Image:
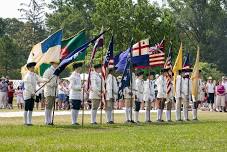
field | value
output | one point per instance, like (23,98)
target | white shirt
(75,86)
(30,81)
(210,87)
(127,90)
(50,87)
(149,91)
(139,89)
(95,87)
(111,87)
(225,85)
(186,88)
(161,87)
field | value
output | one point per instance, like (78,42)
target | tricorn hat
(31,64)
(97,66)
(77,65)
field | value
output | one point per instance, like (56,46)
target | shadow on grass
(121,125)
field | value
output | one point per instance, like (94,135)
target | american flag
(106,63)
(98,44)
(168,65)
(108,58)
(157,55)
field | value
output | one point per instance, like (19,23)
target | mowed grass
(208,134)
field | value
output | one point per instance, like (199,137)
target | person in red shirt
(10,95)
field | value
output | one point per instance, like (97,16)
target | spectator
(3,93)
(61,96)
(210,89)
(10,94)
(220,96)
(19,97)
(224,82)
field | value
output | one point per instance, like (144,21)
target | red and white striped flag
(157,55)
(168,65)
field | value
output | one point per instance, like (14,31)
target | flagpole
(102,95)
(83,102)
(131,81)
(54,100)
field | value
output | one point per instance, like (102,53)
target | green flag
(67,46)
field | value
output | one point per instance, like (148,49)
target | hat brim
(187,70)
(31,64)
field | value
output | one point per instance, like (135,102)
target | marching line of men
(139,91)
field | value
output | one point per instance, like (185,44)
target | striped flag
(168,65)
(108,57)
(98,44)
(157,55)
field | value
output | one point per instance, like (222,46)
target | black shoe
(196,119)
(132,121)
(111,122)
(179,120)
(29,124)
(169,121)
(76,124)
(187,120)
(149,121)
(128,121)
(94,123)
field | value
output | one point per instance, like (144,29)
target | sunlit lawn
(208,134)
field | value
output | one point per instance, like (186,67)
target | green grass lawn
(208,134)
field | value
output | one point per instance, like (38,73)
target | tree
(10,54)
(203,23)
(33,13)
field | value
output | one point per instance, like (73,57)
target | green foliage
(209,69)
(10,54)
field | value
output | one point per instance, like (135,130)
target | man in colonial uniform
(30,81)
(198,98)
(169,92)
(50,91)
(161,83)
(111,95)
(139,95)
(186,92)
(148,95)
(95,94)
(179,95)
(75,92)
(129,96)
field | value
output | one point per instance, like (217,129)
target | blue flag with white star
(125,81)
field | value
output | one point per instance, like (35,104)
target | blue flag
(125,81)
(122,60)
(65,62)
(73,55)
(186,64)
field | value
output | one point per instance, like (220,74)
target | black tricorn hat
(31,64)
(77,65)
(187,70)
(140,73)
(164,70)
(97,66)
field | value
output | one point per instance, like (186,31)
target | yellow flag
(177,66)
(195,77)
